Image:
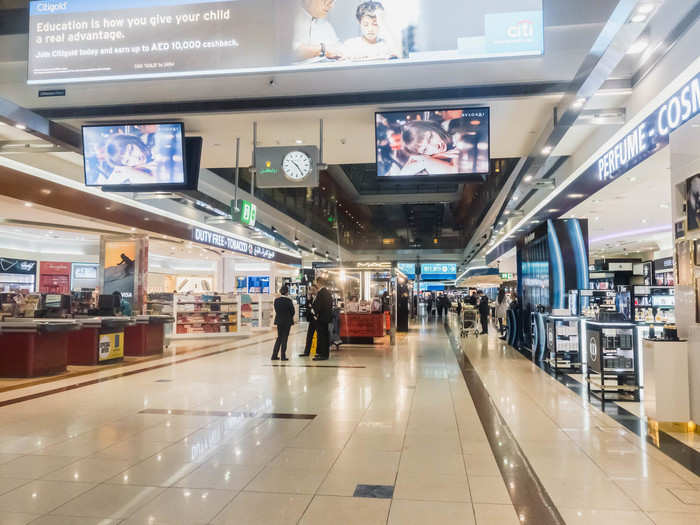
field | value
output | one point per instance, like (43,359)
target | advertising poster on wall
(693,203)
(111,346)
(120,268)
(84,40)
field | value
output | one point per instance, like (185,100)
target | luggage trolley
(470,322)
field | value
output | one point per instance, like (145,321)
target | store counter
(666,382)
(34,347)
(99,340)
(361,328)
(146,336)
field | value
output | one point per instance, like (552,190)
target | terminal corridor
(375,435)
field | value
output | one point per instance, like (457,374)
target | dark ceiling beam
(14,21)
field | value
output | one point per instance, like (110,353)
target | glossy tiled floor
(110,452)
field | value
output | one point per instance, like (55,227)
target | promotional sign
(287,167)
(258,284)
(241,283)
(17,266)
(408,269)
(84,271)
(435,142)
(693,203)
(54,277)
(438,271)
(232,244)
(85,40)
(119,268)
(134,155)
(111,346)
(246,214)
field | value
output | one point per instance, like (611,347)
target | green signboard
(246,214)
(507,276)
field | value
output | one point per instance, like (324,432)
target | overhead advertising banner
(85,40)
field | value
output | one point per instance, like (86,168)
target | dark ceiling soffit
(14,21)
(39,126)
(309,101)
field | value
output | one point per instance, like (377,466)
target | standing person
(430,305)
(323,306)
(484,314)
(502,304)
(473,300)
(311,318)
(122,305)
(284,319)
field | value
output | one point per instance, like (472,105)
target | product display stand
(205,316)
(613,359)
(563,348)
(666,382)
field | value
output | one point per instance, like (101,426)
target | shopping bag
(314,345)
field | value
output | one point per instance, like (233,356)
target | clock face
(296,165)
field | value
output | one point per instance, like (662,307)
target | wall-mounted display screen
(85,40)
(438,271)
(437,142)
(134,156)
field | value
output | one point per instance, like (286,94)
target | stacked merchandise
(268,311)
(618,350)
(160,304)
(206,313)
(250,311)
(654,304)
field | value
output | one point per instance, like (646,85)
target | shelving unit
(654,304)
(613,359)
(563,345)
(205,315)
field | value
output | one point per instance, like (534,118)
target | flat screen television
(142,157)
(446,143)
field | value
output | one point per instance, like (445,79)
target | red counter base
(361,328)
(33,354)
(82,347)
(144,339)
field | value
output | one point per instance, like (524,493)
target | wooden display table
(361,328)
(147,335)
(34,347)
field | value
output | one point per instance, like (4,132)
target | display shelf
(563,343)
(613,359)
(206,315)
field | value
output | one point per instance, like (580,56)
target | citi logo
(51,7)
(522,29)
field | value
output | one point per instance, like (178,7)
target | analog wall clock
(296,165)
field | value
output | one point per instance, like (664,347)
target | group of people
(319,315)
(442,304)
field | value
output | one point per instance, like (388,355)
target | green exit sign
(246,214)
(507,276)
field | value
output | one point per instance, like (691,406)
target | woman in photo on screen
(429,148)
(131,160)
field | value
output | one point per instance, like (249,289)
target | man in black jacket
(284,319)
(323,308)
(311,318)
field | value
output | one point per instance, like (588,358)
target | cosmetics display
(654,304)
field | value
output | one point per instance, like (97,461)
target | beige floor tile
(481,465)
(367,460)
(439,463)
(405,512)
(214,475)
(495,514)
(154,472)
(652,497)
(40,497)
(89,470)
(16,518)
(8,484)
(674,518)
(108,501)
(132,449)
(489,489)
(335,509)
(182,505)
(305,459)
(73,520)
(431,487)
(689,496)
(33,467)
(286,481)
(591,492)
(604,517)
(256,508)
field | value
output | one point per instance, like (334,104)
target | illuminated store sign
(232,244)
(438,271)
(651,134)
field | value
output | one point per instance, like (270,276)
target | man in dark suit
(284,319)
(323,308)
(311,318)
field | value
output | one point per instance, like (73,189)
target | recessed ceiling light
(579,103)
(597,218)
(28,204)
(664,206)
(46,191)
(515,197)
(299,141)
(552,210)
(133,229)
(638,19)
(644,221)
(639,46)
(507,212)
(633,179)
(546,150)
(20,126)
(146,219)
(645,9)
(576,195)
(528,178)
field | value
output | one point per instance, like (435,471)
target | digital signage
(134,156)
(88,40)
(438,271)
(435,142)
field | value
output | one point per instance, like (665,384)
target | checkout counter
(41,346)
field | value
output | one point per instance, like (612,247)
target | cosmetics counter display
(654,304)
(612,358)
(563,343)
